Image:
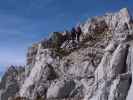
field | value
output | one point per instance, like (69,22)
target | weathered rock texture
(99,67)
(11,82)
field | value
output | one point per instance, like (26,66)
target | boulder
(61,89)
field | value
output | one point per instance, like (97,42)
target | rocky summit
(98,67)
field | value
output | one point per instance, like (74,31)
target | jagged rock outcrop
(11,82)
(119,24)
(99,67)
(112,78)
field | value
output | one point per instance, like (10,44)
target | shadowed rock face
(11,82)
(97,68)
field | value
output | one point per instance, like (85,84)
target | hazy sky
(22,22)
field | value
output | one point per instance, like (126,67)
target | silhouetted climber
(78,33)
(67,34)
(73,34)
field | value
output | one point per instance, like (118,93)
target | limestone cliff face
(11,82)
(99,67)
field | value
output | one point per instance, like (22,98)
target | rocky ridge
(97,68)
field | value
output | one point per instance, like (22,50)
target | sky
(23,22)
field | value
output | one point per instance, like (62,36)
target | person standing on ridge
(73,34)
(67,33)
(78,33)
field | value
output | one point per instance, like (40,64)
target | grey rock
(11,82)
(61,89)
(119,88)
(107,72)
